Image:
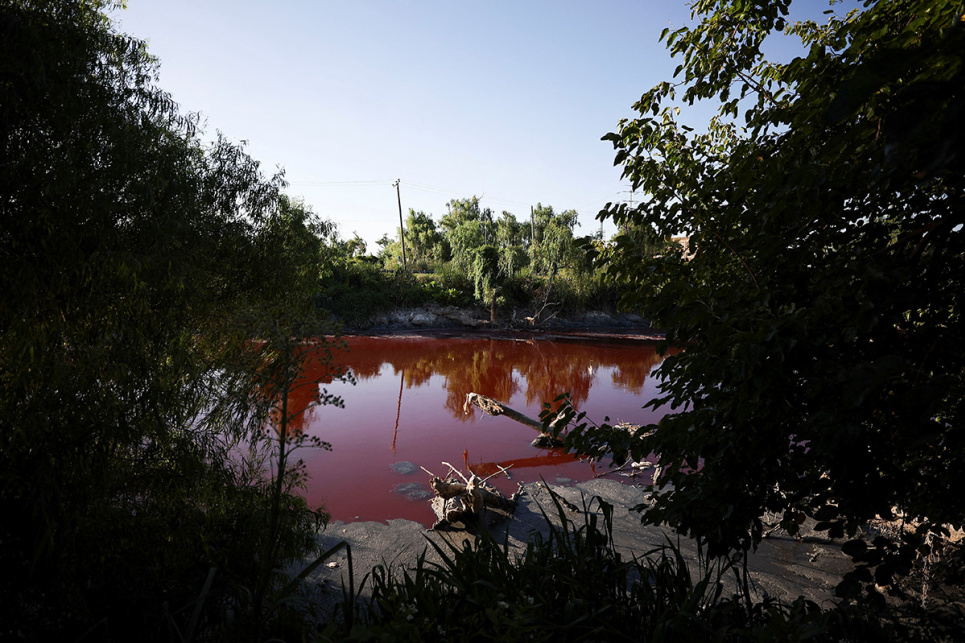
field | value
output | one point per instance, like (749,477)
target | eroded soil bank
(435,317)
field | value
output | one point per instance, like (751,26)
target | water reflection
(495,367)
(408,405)
(319,368)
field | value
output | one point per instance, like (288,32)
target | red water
(407,407)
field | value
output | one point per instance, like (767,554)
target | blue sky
(505,100)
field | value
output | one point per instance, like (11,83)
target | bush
(355,291)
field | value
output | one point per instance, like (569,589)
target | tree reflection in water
(408,406)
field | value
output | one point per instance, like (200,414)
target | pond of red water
(406,412)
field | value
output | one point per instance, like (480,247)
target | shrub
(355,291)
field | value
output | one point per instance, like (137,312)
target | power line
(607,199)
(442,191)
(328,184)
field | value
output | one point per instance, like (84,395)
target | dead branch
(445,489)
(452,469)
(633,429)
(492,407)
(465,501)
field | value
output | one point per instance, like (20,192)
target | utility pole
(626,224)
(401,225)
(532,226)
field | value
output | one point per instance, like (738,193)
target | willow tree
(552,245)
(824,366)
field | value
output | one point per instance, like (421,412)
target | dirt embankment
(435,317)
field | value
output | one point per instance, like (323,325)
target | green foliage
(292,246)
(450,287)
(509,231)
(440,294)
(282,527)
(476,259)
(823,373)
(517,291)
(426,245)
(357,290)
(485,273)
(510,240)
(466,228)
(128,252)
(553,246)
(355,247)
(574,293)
(464,240)
(488,252)
(512,260)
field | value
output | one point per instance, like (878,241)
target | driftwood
(492,407)
(464,502)
(632,429)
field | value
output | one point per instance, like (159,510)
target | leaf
(853,94)
(819,315)
(826,512)
(848,588)
(854,548)
(884,575)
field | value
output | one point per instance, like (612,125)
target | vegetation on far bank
(537,268)
(158,289)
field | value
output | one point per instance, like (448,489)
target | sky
(506,100)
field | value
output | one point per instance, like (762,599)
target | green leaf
(854,548)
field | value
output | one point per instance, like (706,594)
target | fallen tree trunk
(492,407)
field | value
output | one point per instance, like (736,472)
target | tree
(129,251)
(425,242)
(553,245)
(355,247)
(641,240)
(509,244)
(824,366)
(293,243)
(467,227)
(486,277)
(509,232)
(387,252)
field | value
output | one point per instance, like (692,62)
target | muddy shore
(451,318)
(782,567)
